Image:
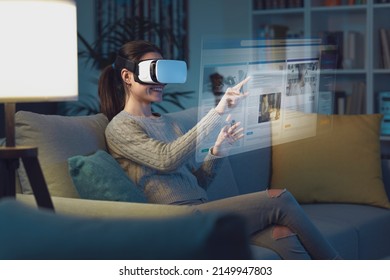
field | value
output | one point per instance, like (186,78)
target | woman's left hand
(228,135)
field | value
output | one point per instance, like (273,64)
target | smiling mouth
(159,88)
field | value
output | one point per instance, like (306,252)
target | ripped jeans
(276,221)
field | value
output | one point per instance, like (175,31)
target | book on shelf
(339,102)
(336,39)
(325,105)
(354,49)
(384,38)
(328,59)
(384,109)
(353,103)
(350,47)
(356,101)
(383,102)
(332,2)
(272,31)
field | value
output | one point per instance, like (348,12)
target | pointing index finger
(240,84)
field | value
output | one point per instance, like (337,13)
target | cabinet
(363,68)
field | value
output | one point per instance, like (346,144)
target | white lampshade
(38,50)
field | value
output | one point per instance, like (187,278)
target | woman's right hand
(231,97)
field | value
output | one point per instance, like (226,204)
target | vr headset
(155,71)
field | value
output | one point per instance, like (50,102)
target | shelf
(385,137)
(345,71)
(278,11)
(340,9)
(381,6)
(381,71)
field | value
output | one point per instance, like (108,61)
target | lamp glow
(38,51)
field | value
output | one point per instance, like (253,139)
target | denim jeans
(266,211)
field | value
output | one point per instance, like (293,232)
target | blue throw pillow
(100,177)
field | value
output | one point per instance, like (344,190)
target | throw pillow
(99,176)
(341,164)
(58,138)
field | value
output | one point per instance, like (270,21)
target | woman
(158,155)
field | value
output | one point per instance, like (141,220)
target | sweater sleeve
(207,171)
(127,138)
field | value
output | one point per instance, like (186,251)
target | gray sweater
(159,156)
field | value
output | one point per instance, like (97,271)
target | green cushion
(341,164)
(28,233)
(99,176)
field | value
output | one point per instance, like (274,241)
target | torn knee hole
(281,232)
(275,192)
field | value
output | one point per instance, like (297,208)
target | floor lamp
(38,63)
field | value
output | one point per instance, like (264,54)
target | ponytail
(111,93)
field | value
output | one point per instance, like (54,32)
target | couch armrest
(109,209)
(386,175)
(43,235)
(385,153)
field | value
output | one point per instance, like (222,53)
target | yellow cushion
(341,164)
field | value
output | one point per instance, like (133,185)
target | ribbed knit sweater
(159,156)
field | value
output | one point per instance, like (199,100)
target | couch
(358,225)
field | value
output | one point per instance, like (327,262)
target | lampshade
(38,50)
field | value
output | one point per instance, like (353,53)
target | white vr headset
(155,71)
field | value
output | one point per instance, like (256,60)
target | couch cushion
(99,176)
(340,164)
(357,231)
(224,184)
(44,235)
(342,236)
(386,175)
(251,170)
(57,139)
(261,253)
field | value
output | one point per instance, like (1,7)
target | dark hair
(111,90)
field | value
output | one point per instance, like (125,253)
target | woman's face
(146,93)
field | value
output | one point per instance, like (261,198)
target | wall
(85,26)
(214,18)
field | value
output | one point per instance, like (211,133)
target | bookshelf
(365,63)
